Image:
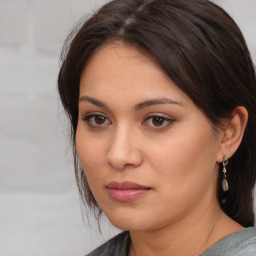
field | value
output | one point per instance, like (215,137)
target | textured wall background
(39,207)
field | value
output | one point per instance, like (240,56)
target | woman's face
(148,152)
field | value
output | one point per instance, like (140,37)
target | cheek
(184,174)
(90,151)
(185,161)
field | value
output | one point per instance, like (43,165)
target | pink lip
(126,191)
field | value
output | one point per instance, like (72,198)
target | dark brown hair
(202,50)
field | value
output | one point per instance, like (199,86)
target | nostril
(121,160)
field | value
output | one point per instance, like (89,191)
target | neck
(190,236)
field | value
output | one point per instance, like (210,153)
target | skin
(177,156)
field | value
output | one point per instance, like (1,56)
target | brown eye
(100,119)
(96,121)
(158,121)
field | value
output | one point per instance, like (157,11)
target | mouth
(126,191)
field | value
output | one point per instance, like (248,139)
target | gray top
(241,243)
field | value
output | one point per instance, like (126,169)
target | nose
(123,151)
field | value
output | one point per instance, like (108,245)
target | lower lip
(126,195)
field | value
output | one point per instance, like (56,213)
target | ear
(232,133)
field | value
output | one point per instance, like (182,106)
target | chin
(126,221)
(124,226)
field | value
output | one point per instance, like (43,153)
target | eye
(96,120)
(158,121)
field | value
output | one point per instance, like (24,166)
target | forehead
(119,59)
(123,70)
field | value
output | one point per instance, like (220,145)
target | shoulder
(238,244)
(117,246)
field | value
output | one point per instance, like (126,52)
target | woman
(161,97)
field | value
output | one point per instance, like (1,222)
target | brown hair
(202,50)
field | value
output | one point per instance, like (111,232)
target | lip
(126,191)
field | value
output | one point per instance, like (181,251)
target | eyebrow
(93,101)
(159,101)
(138,106)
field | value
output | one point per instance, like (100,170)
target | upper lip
(125,185)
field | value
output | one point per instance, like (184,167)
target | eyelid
(169,120)
(89,114)
(86,118)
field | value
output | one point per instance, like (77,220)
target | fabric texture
(117,246)
(241,243)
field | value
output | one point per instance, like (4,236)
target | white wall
(39,207)
(40,25)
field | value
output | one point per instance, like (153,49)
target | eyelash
(88,118)
(163,120)
(167,121)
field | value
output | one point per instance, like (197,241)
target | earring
(224,181)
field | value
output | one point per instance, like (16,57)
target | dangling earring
(224,181)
